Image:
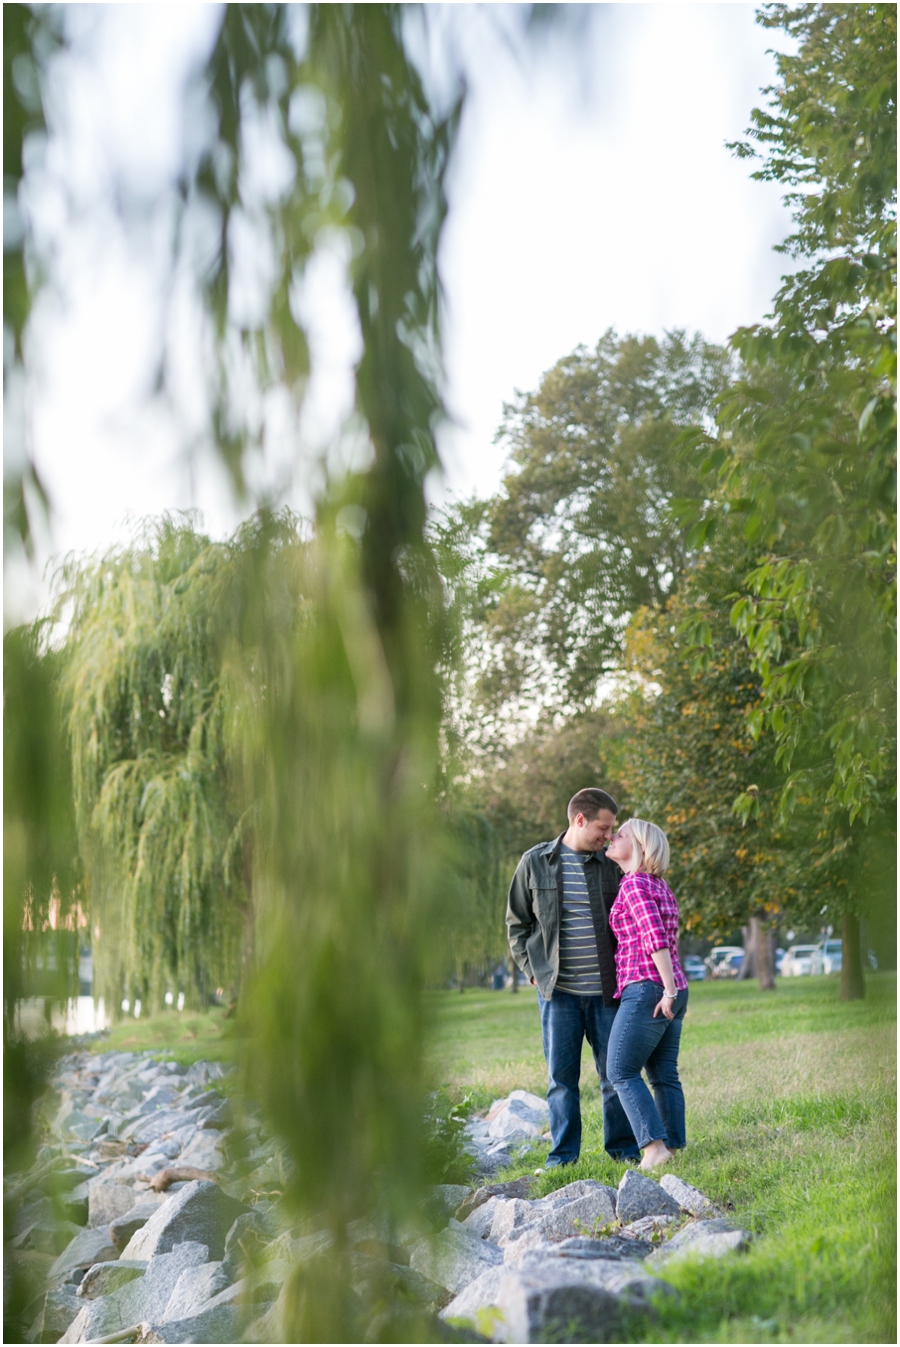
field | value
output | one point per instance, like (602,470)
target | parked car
(779,959)
(798,960)
(694,968)
(716,956)
(827,957)
(730,966)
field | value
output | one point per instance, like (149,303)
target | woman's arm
(663,960)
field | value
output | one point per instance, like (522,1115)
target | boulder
(220,1324)
(101,1279)
(611,1247)
(648,1226)
(60,1307)
(511,1216)
(200,1211)
(123,1229)
(580,1188)
(513,1188)
(194,1288)
(479,1295)
(521,1116)
(570,1300)
(107,1200)
(453,1258)
(641,1196)
(142,1300)
(708,1239)
(688,1198)
(88,1246)
(479,1221)
(204,1151)
(581,1216)
(445,1198)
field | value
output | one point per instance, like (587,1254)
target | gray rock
(690,1199)
(521,1116)
(708,1239)
(200,1211)
(194,1288)
(641,1196)
(123,1229)
(61,1306)
(248,1234)
(580,1188)
(528,1240)
(204,1151)
(479,1221)
(88,1246)
(611,1247)
(142,1300)
(453,1258)
(107,1200)
(221,1323)
(570,1300)
(373,1278)
(647,1226)
(446,1198)
(511,1216)
(101,1279)
(581,1216)
(478,1295)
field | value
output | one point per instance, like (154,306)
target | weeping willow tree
(152,641)
(316,728)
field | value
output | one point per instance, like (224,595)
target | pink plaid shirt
(644,918)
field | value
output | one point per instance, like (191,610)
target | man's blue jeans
(638,1042)
(566,1021)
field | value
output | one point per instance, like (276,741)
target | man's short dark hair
(589,802)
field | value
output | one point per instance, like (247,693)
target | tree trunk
(514,969)
(748,967)
(853,982)
(765,955)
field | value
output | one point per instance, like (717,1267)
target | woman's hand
(665,1004)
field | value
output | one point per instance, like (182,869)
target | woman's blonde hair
(654,846)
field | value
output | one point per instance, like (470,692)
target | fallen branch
(166,1177)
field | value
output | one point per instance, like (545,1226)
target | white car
(717,956)
(828,957)
(798,961)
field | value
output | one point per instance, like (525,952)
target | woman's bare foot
(656,1154)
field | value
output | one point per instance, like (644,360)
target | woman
(652,993)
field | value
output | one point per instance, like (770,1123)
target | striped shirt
(644,918)
(579,967)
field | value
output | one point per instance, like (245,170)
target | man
(558,923)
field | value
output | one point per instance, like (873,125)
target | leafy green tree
(584,524)
(808,451)
(151,695)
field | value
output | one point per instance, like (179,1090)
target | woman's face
(621,848)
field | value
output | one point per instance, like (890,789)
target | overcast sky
(591,189)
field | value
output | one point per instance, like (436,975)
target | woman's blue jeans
(566,1021)
(637,1042)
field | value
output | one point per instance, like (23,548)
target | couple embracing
(594,926)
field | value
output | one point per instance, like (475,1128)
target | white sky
(592,188)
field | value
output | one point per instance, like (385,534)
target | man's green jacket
(533,915)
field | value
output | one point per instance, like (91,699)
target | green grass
(791,1124)
(175,1036)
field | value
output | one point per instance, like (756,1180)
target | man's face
(594,833)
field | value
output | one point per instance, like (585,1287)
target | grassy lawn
(791,1121)
(175,1036)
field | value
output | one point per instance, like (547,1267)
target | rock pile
(159,1243)
(152,1230)
(563,1267)
(519,1119)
